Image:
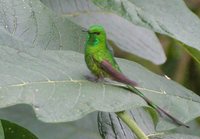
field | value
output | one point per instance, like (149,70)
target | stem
(128,120)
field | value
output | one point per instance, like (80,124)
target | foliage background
(179,66)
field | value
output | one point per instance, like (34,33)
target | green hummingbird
(101,63)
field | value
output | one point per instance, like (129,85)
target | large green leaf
(127,36)
(30,22)
(85,128)
(1,132)
(53,83)
(33,23)
(14,131)
(172,18)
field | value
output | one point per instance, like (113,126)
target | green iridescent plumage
(101,63)
(96,51)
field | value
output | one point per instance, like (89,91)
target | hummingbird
(101,62)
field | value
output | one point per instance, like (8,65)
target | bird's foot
(94,79)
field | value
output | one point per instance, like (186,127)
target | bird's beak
(85,30)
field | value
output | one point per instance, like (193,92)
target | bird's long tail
(156,107)
(118,76)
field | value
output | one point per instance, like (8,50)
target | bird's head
(96,34)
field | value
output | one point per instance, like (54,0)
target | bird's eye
(97,33)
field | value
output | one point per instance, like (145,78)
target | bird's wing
(116,75)
(114,72)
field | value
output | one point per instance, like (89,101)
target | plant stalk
(128,120)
